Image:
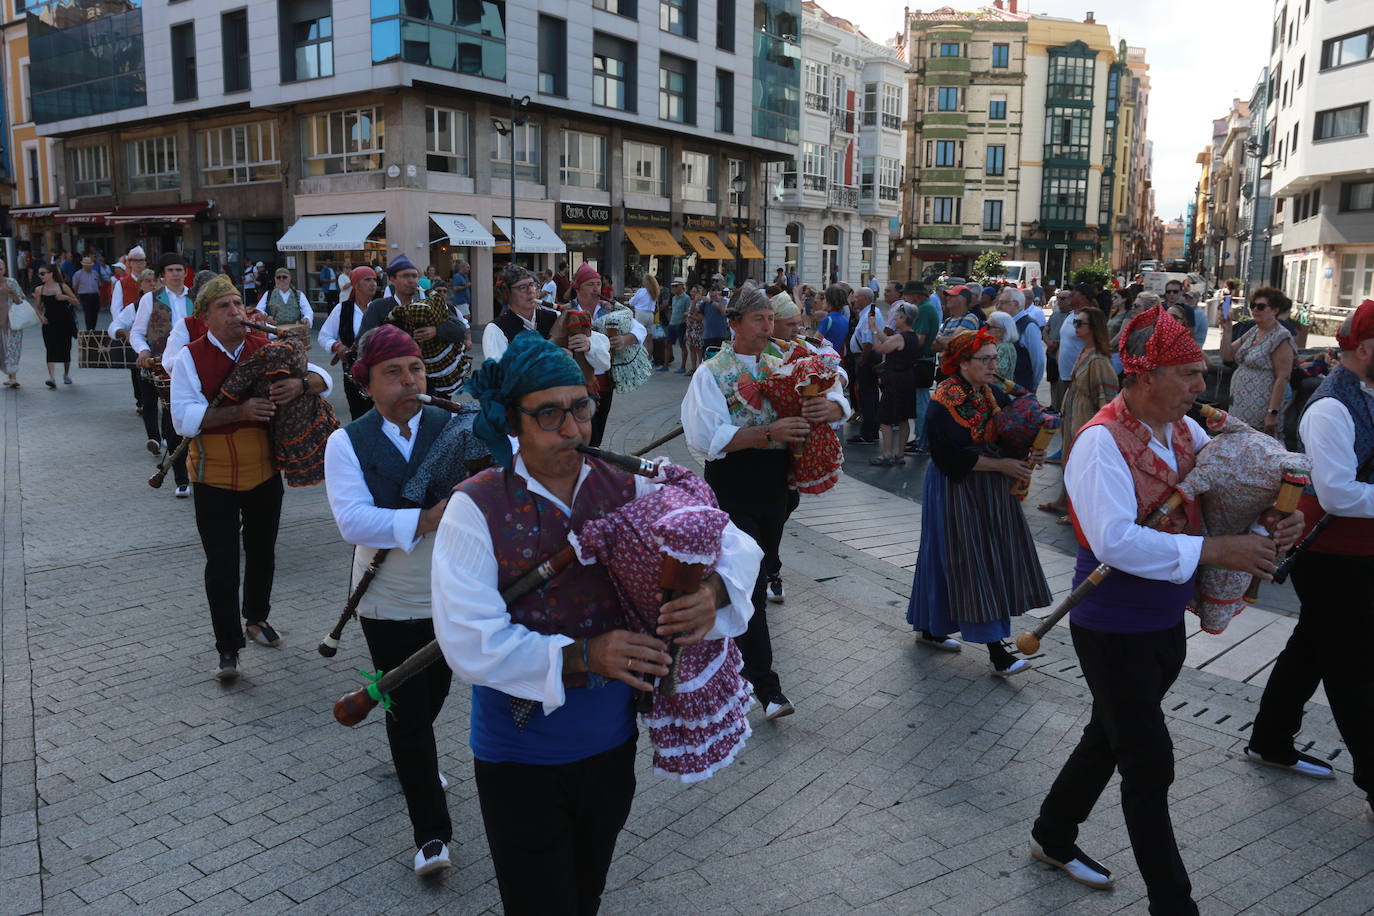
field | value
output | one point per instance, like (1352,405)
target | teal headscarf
(530,363)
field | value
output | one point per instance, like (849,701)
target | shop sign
(698,222)
(658,219)
(596,217)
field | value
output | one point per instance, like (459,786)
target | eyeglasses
(985,360)
(1172,292)
(526,287)
(551,418)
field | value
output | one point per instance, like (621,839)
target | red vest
(1154,480)
(129,284)
(196,328)
(213,366)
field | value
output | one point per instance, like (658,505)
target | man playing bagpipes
(233,467)
(1334,575)
(342,328)
(555,780)
(157,314)
(748,452)
(405,288)
(524,313)
(1128,632)
(367,465)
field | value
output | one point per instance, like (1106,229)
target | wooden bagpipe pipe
(353,707)
(1021,427)
(1242,476)
(298,428)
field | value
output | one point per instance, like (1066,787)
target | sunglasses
(1172,292)
(1258,306)
(1079,322)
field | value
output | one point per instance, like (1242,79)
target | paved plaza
(907,781)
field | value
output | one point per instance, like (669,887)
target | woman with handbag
(12,337)
(57,312)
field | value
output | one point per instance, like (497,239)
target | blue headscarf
(530,363)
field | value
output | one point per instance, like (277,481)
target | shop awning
(80,216)
(706,244)
(31,212)
(336,232)
(532,236)
(653,241)
(463,230)
(751,251)
(167,213)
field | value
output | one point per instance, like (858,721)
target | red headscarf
(1171,344)
(384,342)
(584,273)
(1361,326)
(964,345)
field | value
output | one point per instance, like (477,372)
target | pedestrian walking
(86,282)
(11,339)
(57,313)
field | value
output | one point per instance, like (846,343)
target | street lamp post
(508,130)
(738,183)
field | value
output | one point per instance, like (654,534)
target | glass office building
(777,70)
(465,36)
(87,57)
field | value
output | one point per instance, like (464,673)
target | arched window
(791,252)
(830,255)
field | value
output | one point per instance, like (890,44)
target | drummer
(238,490)
(747,448)
(556,791)
(365,466)
(342,328)
(1128,631)
(1332,578)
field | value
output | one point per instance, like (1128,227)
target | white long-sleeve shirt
(484,646)
(359,518)
(189,403)
(706,419)
(1328,434)
(329,330)
(1103,495)
(180,304)
(494,344)
(123,320)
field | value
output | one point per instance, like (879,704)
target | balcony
(892,121)
(814,183)
(817,102)
(841,121)
(844,198)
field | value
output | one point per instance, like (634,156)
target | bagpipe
(1240,478)
(1283,569)
(1020,427)
(630,366)
(446,364)
(815,465)
(298,429)
(655,548)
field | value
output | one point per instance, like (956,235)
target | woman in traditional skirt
(977,565)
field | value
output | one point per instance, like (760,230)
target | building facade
(30,192)
(834,202)
(1254,229)
(1230,136)
(612,132)
(1322,68)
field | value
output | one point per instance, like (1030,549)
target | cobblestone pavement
(905,783)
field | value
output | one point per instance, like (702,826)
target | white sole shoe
(428,865)
(772,710)
(948,644)
(1081,869)
(1307,766)
(1019,665)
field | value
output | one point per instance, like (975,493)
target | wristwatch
(1273,412)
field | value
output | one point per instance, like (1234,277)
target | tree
(987,270)
(1099,272)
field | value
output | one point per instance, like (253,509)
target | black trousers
(772,562)
(138,394)
(219,513)
(552,829)
(90,304)
(866,381)
(1128,674)
(1329,646)
(410,724)
(157,423)
(603,412)
(764,524)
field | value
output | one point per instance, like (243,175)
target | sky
(1202,53)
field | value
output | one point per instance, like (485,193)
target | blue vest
(1344,386)
(385,472)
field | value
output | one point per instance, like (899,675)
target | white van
(1024,274)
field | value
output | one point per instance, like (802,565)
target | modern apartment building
(29,183)
(1321,149)
(835,202)
(615,131)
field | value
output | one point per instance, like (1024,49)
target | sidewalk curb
(20,860)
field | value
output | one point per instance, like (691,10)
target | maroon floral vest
(526,529)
